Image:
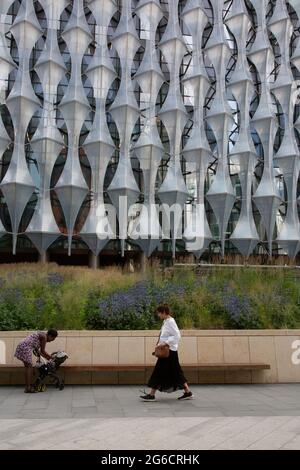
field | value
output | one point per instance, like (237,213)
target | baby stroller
(48,369)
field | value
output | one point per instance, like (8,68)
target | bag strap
(159,335)
(158,338)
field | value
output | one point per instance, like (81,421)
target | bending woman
(167,375)
(24,351)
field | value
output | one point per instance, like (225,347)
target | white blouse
(170,333)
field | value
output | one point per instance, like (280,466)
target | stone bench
(134,367)
(133,373)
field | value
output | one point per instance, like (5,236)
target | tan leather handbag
(162,351)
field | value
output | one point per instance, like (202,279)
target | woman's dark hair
(52,333)
(164,308)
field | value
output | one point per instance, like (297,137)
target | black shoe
(148,397)
(186,396)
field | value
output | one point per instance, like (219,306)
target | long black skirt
(167,375)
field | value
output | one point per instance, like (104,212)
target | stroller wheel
(41,388)
(62,385)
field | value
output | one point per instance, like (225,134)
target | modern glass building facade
(192,104)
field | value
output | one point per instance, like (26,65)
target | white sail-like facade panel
(220,195)
(72,187)
(125,113)
(47,141)
(6,65)
(197,150)
(149,148)
(17,185)
(287,157)
(266,196)
(173,190)
(245,235)
(6,62)
(125,109)
(99,145)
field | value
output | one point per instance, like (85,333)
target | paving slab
(107,417)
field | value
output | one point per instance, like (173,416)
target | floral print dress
(26,346)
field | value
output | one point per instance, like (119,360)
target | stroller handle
(36,352)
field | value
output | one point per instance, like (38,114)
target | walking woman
(24,351)
(167,375)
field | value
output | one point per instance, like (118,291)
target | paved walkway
(112,417)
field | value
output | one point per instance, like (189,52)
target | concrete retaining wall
(275,347)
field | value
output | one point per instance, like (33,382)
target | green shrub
(40,297)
